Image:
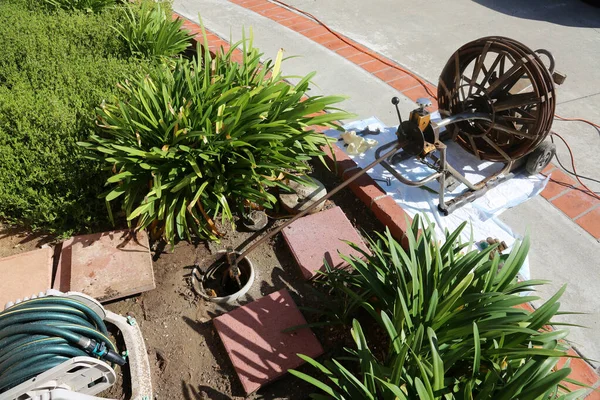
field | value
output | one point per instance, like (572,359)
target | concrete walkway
(422,37)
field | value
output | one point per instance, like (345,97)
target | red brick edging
(566,194)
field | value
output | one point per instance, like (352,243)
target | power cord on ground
(588,190)
(568,171)
(578,120)
(361,49)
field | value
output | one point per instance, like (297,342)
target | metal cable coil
(507,80)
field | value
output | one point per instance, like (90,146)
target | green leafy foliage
(194,140)
(449,315)
(54,70)
(150,31)
(81,5)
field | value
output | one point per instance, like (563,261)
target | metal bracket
(447,176)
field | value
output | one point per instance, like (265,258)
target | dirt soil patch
(15,240)
(187,358)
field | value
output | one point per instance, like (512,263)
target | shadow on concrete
(576,13)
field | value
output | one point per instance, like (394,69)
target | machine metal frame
(415,145)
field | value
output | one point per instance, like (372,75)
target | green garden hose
(39,334)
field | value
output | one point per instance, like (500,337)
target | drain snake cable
(39,334)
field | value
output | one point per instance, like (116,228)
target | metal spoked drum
(507,80)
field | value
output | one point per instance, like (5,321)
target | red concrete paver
(320,236)
(559,182)
(292,21)
(417,92)
(250,4)
(314,32)
(404,84)
(326,38)
(106,266)
(575,202)
(304,26)
(335,45)
(25,274)
(390,74)
(259,351)
(281,15)
(360,59)
(261,8)
(348,52)
(591,222)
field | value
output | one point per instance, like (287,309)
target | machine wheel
(540,158)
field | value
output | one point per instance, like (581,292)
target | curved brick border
(366,189)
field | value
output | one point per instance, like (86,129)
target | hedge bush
(55,68)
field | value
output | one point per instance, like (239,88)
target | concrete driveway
(421,36)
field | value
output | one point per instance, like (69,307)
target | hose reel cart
(56,346)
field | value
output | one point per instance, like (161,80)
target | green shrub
(150,32)
(54,70)
(81,5)
(190,143)
(452,327)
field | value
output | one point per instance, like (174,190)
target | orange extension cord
(588,190)
(578,120)
(352,44)
(424,84)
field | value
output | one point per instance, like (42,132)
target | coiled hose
(39,334)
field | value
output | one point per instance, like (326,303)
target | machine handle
(395,102)
(396,174)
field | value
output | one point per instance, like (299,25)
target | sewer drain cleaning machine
(56,346)
(496,98)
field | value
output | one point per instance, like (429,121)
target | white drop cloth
(482,213)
